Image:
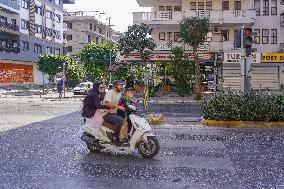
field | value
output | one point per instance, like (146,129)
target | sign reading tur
(272,57)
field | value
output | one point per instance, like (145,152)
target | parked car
(83,88)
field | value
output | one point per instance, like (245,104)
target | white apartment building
(226,17)
(84,27)
(28,28)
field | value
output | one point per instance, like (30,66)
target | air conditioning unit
(217,30)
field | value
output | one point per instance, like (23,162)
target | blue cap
(117,82)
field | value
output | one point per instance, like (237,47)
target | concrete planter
(242,124)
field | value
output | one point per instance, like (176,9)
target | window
(48,14)
(68,49)
(177,8)
(273,7)
(69,25)
(265,7)
(38,48)
(200,5)
(38,9)
(257,36)
(68,37)
(38,28)
(25,24)
(265,36)
(48,32)
(100,30)
(89,39)
(91,26)
(225,35)
(273,36)
(208,5)
(169,8)
(57,51)
(238,5)
(176,36)
(169,35)
(57,2)
(162,36)
(162,8)
(97,40)
(3,42)
(57,18)
(225,5)
(56,34)
(48,50)
(26,45)
(25,4)
(192,5)
(257,7)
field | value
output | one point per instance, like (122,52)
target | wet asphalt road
(49,155)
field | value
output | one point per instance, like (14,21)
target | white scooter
(141,136)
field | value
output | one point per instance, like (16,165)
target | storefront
(16,73)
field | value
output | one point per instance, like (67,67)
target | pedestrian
(60,86)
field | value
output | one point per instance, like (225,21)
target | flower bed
(240,109)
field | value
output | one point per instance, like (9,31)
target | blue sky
(119,11)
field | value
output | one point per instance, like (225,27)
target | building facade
(226,18)
(28,28)
(84,27)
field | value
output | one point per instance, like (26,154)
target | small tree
(183,71)
(75,71)
(193,32)
(95,58)
(52,64)
(137,39)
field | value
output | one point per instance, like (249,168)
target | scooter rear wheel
(93,148)
(149,148)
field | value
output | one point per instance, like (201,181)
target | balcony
(68,1)
(9,27)
(231,17)
(9,49)
(169,45)
(227,18)
(159,17)
(10,6)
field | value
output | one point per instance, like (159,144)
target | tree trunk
(197,72)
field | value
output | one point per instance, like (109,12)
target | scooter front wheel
(149,148)
(93,148)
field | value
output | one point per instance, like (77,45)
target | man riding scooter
(111,100)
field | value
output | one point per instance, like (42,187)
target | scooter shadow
(118,156)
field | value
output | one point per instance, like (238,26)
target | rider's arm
(108,102)
(98,103)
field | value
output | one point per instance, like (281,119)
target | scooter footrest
(108,125)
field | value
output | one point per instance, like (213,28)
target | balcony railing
(157,16)
(215,17)
(13,4)
(9,49)
(169,45)
(9,26)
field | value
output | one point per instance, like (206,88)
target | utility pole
(64,70)
(215,73)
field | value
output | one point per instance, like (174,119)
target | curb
(243,124)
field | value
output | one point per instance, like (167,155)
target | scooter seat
(108,125)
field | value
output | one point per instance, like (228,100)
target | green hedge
(254,106)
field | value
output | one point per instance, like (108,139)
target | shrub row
(253,106)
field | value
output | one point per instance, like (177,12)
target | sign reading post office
(272,58)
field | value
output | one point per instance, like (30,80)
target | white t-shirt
(113,97)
